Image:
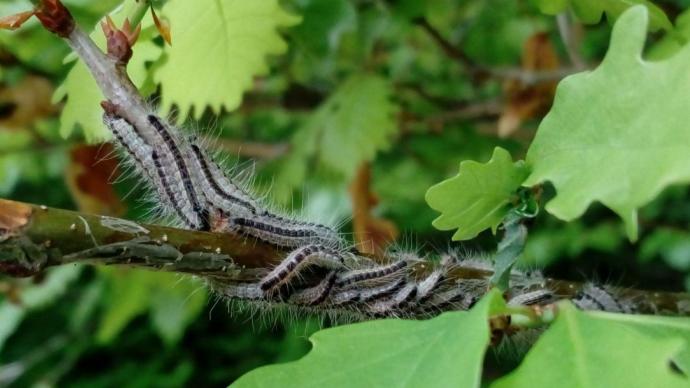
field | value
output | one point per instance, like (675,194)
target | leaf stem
(138,12)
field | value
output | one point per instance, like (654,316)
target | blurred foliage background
(360,108)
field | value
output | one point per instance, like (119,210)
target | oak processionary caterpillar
(320,273)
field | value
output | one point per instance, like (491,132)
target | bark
(33,238)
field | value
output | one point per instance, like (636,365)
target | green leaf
(478,197)
(10,173)
(590,11)
(174,308)
(83,96)
(447,351)
(661,328)
(127,298)
(354,123)
(173,304)
(509,250)
(12,315)
(593,350)
(323,24)
(34,297)
(568,240)
(617,134)
(350,127)
(672,42)
(672,245)
(218,47)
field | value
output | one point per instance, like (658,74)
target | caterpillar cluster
(322,273)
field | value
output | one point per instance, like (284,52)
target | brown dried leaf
(13,216)
(88,178)
(26,102)
(163,27)
(12,22)
(524,102)
(372,234)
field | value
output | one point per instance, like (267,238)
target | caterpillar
(322,272)
(204,196)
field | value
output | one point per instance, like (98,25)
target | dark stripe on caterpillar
(301,256)
(316,295)
(183,170)
(171,198)
(357,276)
(215,186)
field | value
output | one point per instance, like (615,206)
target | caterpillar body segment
(316,295)
(275,230)
(296,260)
(174,159)
(155,168)
(219,191)
(530,298)
(370,274)
(596,297)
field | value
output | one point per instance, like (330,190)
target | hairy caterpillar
(204,195)
(321,272)
(596,297)
(369,274)
(310,254)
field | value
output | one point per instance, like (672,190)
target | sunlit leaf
(172,302)
(33,297)
(582,350)
(617,134)
(478,197)
(591,11)
(237,35)
(447,351)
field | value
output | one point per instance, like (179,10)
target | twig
(570,39)
(527,77)
(33,238)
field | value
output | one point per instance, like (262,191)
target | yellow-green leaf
(478,197)
(618,134)
(218,46)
